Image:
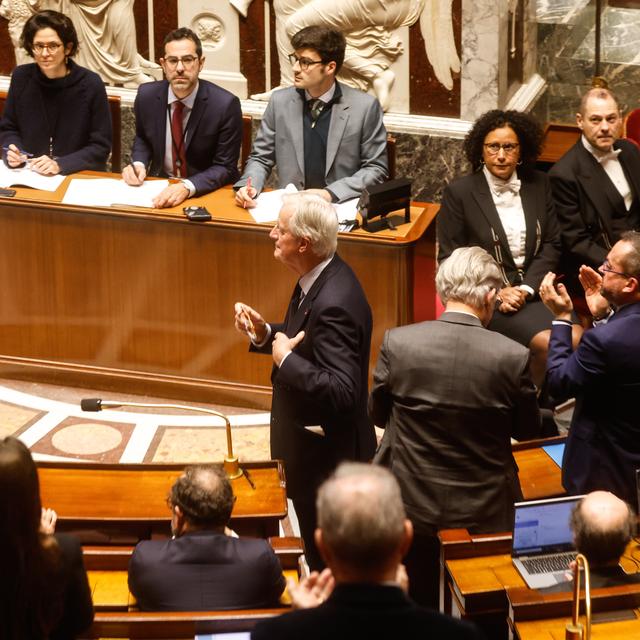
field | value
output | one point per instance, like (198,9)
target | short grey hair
(631,260)
(315,219)
(361,515)
(467,276)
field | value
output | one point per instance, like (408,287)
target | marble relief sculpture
(107,35)
(372,46)
(17,12)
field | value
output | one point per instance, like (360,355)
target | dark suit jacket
(323,382)
(366,611)
(451,394)
(214,133)
(205,570)
(467,215)
(603,374)
(583,207)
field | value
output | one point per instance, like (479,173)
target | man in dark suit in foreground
(596,184)
(603,373)
(451,395)
(320,358)
(362,534)
(204,566)
(603,526)
(186,128)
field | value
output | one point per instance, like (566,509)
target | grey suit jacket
(451,394)
(356,146)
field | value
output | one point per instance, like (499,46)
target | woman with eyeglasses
(44,592)
(505,207)
(56,118)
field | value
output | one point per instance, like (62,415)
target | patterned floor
(49,420)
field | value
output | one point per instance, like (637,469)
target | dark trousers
(423,568)
(306,512)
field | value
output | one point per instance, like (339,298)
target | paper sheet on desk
(23,176)
(104,192)
(269,203)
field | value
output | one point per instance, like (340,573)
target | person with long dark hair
(56,116)
(506,208)
(44,592)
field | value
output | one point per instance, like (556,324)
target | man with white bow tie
(596,184)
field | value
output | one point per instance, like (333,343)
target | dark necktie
(293,306)
(177,137)
(315,108)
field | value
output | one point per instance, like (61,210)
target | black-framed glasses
(41,47)
(187,61)
(508,147)
(605,267)
(304,63)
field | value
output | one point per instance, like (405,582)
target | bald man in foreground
(603,526)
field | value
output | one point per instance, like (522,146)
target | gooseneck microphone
(230,463)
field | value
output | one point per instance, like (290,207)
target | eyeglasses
(51,47)
(605,267)
(187,61)
(304,63)
(508,147)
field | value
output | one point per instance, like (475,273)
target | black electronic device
(381,199)
(7,193)
(197,214)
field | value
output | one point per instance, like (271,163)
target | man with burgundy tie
(320,358)
(324,136)
(596,186)
(186,128)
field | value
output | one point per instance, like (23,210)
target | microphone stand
(574,628)
(230,463)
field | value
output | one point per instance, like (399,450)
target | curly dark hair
(204,495)
(55,20)
(526,127)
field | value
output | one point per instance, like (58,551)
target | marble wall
(566,44)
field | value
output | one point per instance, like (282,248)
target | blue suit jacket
(603,448)
(214,134)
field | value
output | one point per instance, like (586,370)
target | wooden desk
(142,300)
(127,502)
(477,572)
(540,477)
(557,140)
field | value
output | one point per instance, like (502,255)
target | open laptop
(543,541)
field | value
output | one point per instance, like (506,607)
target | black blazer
(367,612)
(205,570)
(451,394)
(583,207)
(467,215)
(323,382)
(214,134)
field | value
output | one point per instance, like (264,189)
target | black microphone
(91,404)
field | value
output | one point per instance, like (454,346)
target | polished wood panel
(132,497)
(540,477)
(554,629)
(557,140)
(142,300)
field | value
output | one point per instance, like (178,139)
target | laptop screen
(543,526)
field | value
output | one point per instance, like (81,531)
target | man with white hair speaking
(320,358)
(451,394)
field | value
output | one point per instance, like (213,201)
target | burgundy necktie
(177,137)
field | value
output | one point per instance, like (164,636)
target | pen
(249,480)
(244,204)
(26,154)
(249,326)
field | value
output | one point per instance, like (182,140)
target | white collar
(307,280)
(326,97)
(596,153)
(188,101)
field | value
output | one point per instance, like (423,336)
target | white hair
(315,219)
(467,276)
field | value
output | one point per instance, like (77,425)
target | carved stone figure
(372,46)
(17,12)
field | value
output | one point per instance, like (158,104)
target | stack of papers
(106,192)
(24,177)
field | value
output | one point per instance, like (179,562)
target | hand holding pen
(15,157)
(245,195)
(134,173)
(250,322)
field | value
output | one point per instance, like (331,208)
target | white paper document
(105,192)
(24,177)
(269,204)
(347,210)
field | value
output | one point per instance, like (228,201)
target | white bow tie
(513,186)
(610,155)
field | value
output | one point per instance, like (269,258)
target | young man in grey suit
(322,135)
(451,395)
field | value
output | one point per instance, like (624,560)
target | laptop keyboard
(547,564)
